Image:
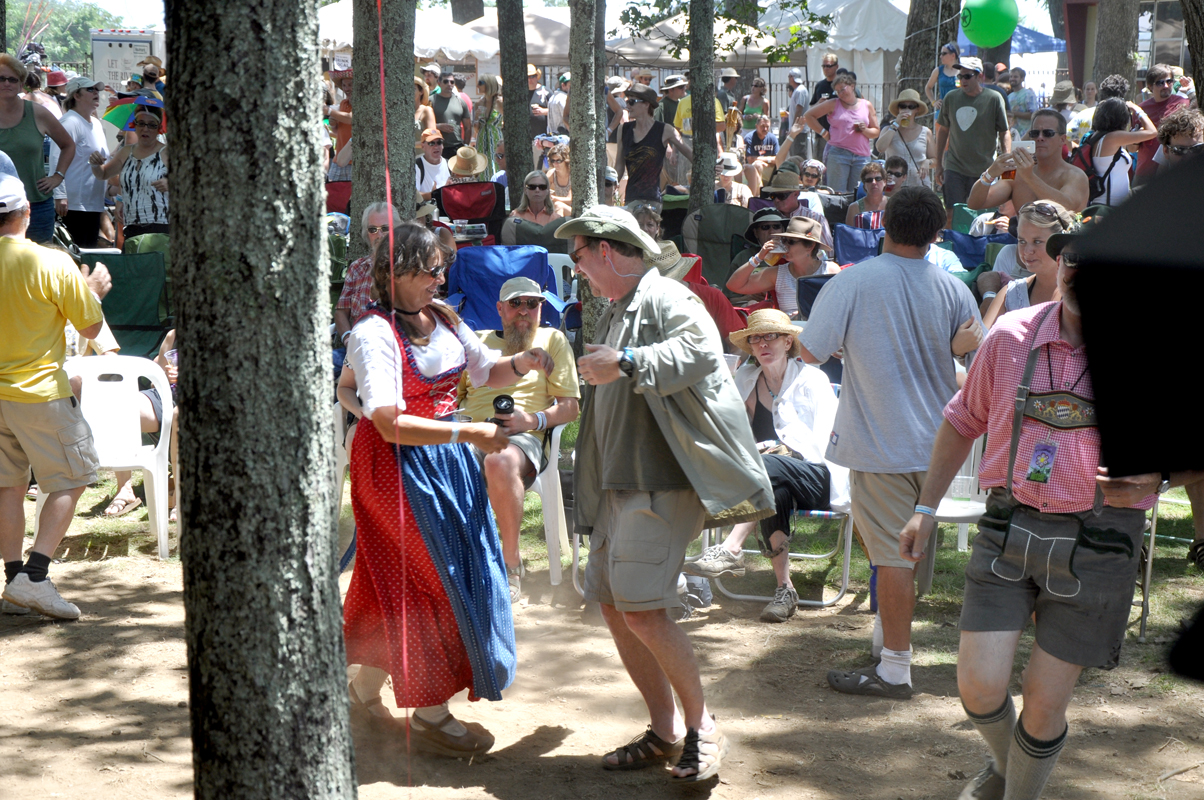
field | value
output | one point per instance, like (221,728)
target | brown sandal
(644,750)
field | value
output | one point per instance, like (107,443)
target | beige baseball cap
(519,287)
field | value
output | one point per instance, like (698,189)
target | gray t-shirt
(634,453)
(895,318)
(974,124)
(1008,262)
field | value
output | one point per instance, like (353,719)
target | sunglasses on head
(1045,211)
(530,303)
(1184,149)
(908,107)
(757,338)
(537,187)
(1041,133)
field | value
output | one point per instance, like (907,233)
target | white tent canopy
(547,34)
(434,34)
(647,51)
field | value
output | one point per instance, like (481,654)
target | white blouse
(373,353)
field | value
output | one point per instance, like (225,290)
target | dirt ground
(97,708)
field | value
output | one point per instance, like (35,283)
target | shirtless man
(1041,176)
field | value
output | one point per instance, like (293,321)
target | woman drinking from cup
(907,138)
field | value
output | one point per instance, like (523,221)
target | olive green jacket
(680,371)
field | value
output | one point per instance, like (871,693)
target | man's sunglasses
(448,81)
(375,229)
(968,76)
(1165,82)
(1184,149)
(438,142)
(530,303)
(896,174)
(1041,133)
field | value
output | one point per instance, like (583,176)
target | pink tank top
(841,132)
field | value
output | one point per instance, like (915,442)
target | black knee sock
(11,568)
(36,567)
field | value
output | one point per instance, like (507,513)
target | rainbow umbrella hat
(121,113)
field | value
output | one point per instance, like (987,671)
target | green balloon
(989,23)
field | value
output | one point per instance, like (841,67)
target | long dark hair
(414,248)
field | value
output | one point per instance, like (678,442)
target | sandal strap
(690,754)
(641,748)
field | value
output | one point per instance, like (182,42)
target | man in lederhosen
(1059,538)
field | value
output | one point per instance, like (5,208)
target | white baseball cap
(12,190)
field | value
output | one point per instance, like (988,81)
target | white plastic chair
(559,262)
(555,527)
(964,503)
(109,401)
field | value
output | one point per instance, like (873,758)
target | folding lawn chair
(481,202)
(476,277)
(137,307)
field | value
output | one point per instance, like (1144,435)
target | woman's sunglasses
(908,107)
(537,187)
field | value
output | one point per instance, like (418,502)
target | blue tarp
(1024,40)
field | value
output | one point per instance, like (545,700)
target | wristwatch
(1166,483)
(627,362)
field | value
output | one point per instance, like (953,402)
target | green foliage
(66,37)
(641,17)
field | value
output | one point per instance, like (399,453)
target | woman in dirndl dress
(428,602)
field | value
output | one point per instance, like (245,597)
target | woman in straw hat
(424,115)
(805,255)
(907,138)
(466,166)
(791,407)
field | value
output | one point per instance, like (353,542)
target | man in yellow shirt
(41,425)
(541,402)
(683,120)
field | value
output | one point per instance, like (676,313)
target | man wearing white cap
(727,83)
(970,121)
(541,402)
(41,424)
(799,103)
(664,444)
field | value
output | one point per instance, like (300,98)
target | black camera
(502,404)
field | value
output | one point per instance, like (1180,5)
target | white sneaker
(41,597)
(9,608)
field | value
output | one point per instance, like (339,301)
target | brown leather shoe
(429,737)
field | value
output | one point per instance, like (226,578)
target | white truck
(117,51)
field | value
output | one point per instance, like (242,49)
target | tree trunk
(702,90)
(263,625)
(465,11)
(924,40)
(369,181)
(1057,21)
(600,72)
(1193,26)
(995,55)
(1116,40)
(583,105)
(516,106)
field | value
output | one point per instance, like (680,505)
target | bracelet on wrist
(455,433)
(514,366)
(929,510)
(988,295)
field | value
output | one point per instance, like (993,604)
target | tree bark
(516,106)
(266,663)
(465,11)
(924,38)
(1116,39)
(702,90)
(395,30)
(584,167)
(600,72)
(1193,26)
(1057,21)
(996,55)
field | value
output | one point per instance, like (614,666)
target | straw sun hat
(767,320)
(467,161)
(669,262)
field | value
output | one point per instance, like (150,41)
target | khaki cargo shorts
(638,547)
(883,502)
(53,438)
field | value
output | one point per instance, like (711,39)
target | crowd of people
(451,425)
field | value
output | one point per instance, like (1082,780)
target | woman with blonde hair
(424,115)
(559,178)
(536,205)
(1036,223)
(487,129)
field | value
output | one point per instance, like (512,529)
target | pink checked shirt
(986,403)
(357,288)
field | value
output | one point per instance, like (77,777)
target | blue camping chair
(854,245)
(476,277)
(972,250)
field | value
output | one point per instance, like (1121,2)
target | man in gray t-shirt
(900,320)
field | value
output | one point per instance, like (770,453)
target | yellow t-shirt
(40,291)
(534,391)
(684,119)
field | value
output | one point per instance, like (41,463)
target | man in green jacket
(665,445)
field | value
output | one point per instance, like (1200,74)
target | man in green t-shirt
(970,122)
(41,424)
(541,402)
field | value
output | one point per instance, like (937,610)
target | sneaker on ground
(716,561)
(11,608)
(986,785)
(514,576)
(41,597)
(783,605)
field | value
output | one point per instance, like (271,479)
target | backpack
(1082,158)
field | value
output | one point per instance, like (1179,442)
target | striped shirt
(987,401)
